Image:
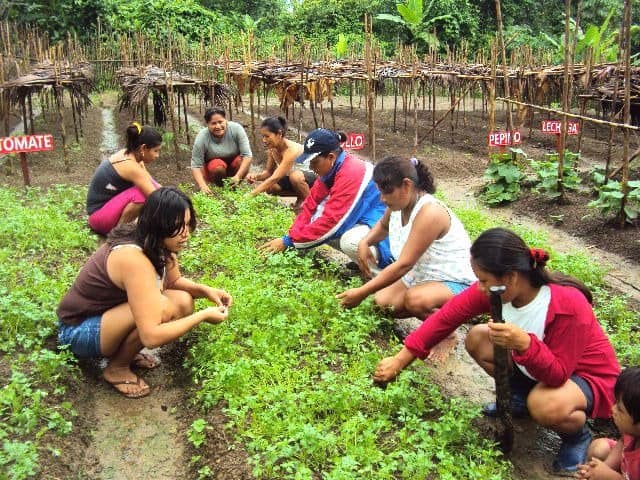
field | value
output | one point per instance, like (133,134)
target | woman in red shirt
(564,367)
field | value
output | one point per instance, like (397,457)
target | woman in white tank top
(428,242)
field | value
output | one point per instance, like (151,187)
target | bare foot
(442,350)
(145,360)
(126,382)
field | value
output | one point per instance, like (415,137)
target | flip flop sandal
(144,360)
(139,394)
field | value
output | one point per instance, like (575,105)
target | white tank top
(446,260)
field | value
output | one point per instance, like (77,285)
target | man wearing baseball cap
(343,205)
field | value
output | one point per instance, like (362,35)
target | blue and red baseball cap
(319,141)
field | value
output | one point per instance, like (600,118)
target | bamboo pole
(570,115)
(626,42)
(368,62)
(505,71)
(491,86)
(565,104)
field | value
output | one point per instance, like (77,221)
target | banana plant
(416,19)
(341,45)
(603,44)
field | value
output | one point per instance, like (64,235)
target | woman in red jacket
(564,367)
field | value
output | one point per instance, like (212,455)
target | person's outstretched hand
(274,246)
(351,298)
(387,369)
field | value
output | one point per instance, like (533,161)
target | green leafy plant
(547,173)
(416,19)
(197,432)
(610,197)
(503,176)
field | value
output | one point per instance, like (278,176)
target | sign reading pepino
(555,127)
(26,143)
(504,139)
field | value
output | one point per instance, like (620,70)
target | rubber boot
(573,450)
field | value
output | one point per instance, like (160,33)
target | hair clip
(138,127)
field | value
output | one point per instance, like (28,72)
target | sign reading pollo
(26,143)
(504,139)
(355,141)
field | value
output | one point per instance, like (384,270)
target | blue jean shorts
(456,287)
(83,339)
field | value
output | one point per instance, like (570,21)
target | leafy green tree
(57,17)
(162,18)
(417,19)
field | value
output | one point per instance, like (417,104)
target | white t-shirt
(531,317)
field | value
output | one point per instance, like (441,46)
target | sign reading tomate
(355,141)
(504,139)
(555,127)
(26,143)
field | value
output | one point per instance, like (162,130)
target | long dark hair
(392,170)
(499,251)
(162,216)
(275,125)
(138,135)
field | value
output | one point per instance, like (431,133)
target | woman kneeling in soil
(343,205)
(282,175)
(130,293)
(121,183)
(428,242)
(564,367)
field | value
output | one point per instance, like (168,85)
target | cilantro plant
(42,243)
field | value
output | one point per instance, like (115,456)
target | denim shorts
(83,339)
(456,287)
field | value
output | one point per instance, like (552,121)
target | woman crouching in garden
(428,242)
(563,366)
(130,293)
(121,183)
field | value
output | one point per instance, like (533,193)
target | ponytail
(392,170)
(499,251)
(275,125)
(138,135)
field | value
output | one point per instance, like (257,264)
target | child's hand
(596,469)
(216,314)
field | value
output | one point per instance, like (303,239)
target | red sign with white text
(504,139)
(555,127)
(26,143)
(355,141)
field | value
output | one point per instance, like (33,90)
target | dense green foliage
(322,21)
(41,245)
(292,368)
